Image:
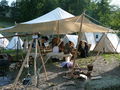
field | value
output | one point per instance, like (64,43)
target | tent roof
(60,26)
(56,14)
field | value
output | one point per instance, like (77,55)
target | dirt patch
(56,81)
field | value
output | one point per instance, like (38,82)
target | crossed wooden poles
(37,48)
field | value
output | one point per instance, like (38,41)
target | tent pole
(58,33)
(43,63)
(23,64)
(35,59)
(79,38)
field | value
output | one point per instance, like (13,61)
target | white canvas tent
(15,43)
(109,43)
(89,37)
(57,25)
(98,36)
(56,14)
(3,41)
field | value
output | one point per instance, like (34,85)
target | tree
(14,11)
(75,7)
(115,20)
(4,8)
(4,3)
(100,10)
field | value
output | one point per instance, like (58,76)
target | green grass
(109,56)
(83,62)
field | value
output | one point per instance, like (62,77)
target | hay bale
(106,83)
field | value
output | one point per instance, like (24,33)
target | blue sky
(114,2)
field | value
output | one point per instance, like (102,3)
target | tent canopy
(64,26)
(56,14)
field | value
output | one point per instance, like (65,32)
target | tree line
(100,10)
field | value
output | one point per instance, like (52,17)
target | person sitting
(55,49)
(55,54)
(25,45)
(81,49)
(67,63)
(86,49)
(61,47)
(55,41)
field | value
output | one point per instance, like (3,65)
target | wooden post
(43,63)
(79,37)
(21,69)
(58,32)
(35,59)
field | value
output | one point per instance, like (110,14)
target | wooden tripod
(35,66)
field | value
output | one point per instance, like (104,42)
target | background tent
(3,41)
(88,37)
(15,43)
(108,43)
(98,36)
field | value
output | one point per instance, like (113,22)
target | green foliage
(75,6)
(115,21)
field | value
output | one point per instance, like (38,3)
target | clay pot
(90,67)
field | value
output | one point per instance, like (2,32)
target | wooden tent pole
(58,32)
(21,69)
(35,59)
(43,64)
(79,37)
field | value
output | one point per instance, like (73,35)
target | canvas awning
(69,25)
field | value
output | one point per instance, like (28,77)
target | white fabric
(89,37)
(99,35)
(55,55)
(91,40)
(35,36)
(109,43)
(55,49)
(3,42)
(15,43)
(56,14)
(69,64)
